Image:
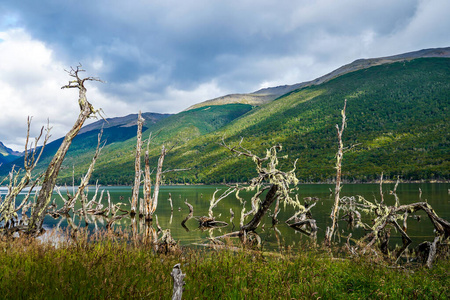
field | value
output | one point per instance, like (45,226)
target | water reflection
(272,237)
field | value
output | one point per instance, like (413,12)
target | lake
(436,194)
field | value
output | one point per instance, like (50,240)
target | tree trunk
(178,282)
(147,188)
(339,156)
(270,198)
(189,216)
(137,166)
(45,194)
(158,180)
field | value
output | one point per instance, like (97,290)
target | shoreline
(300,183)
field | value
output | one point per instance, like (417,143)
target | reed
(105,266)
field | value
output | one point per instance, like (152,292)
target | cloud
(164,56)
(186,98)
(30,84)
(428,28)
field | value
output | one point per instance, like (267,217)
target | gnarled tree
(385,215)
(49,181)
(339,156)
(8,209)
(278,184)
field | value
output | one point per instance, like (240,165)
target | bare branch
(137,165)
(339,156)
(175,170)
(85,180)
(45,194)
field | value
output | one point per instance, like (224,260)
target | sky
(164,56)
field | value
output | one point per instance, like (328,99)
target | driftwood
(302,220)
(207,222)
(178,282)
(308,223)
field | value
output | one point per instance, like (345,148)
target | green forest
(397,124)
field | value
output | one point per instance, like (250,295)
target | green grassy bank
(106,268)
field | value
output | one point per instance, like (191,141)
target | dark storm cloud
(192,38)
(164,56)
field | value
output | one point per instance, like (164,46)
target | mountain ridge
(125,121)
(397,107)
(7,155)
(396,114)
(266,95)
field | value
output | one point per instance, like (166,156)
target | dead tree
(339,156)
(210,220)
(384,215)
(189,216)
(170,202)
(69,203)
(147,187)
(255,202)
(151,202)
(137,166)
(394,192)
(302,219)
(269,177)
(49,181)
(350,213)
(8,209)
(166,244)
(178,282)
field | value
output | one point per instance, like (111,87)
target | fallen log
(208,222)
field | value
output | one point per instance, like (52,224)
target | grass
(105,267)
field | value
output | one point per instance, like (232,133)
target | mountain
(397,112)
(127,121)
(7,155)
(114,130)
(119,135)
(397,117)
(266,95)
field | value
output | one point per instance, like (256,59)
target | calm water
(437,195)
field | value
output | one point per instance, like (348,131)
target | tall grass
(106,267)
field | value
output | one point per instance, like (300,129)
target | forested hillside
(116,162)
(397,119)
